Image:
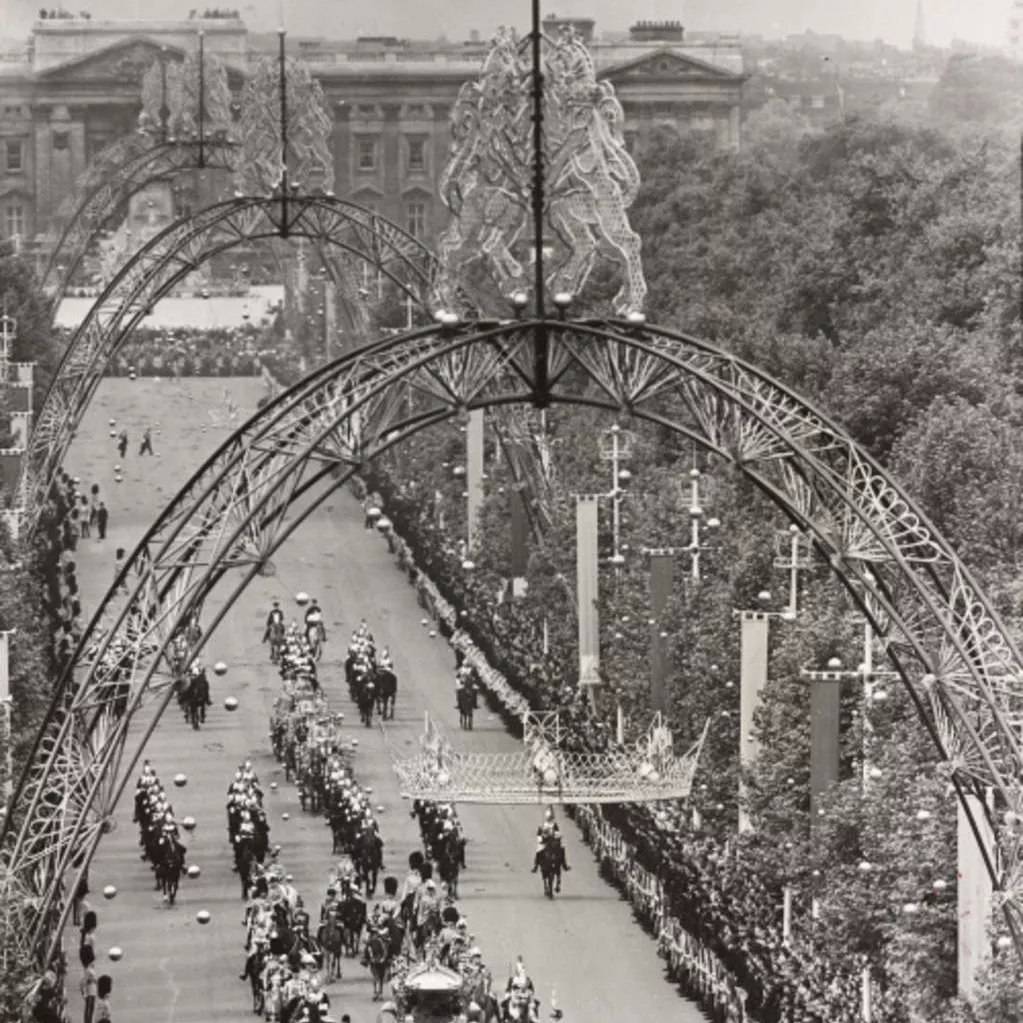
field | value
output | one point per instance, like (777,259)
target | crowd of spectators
(190,351)
(62,521)
(717,893)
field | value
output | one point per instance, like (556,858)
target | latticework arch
(947,644)
(351,233)
(119,172)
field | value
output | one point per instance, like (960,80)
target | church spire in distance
(919,41)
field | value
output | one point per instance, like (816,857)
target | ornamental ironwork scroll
(310,164)
(171,97)
(590,180)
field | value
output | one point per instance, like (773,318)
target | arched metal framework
(948,645)
(351,231)
(120,171)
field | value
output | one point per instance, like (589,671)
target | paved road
(584,945)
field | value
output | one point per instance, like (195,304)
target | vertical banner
(588,592)
(519,539)
(662,579)
(825,692)
(329,320)
(752,678)
(474,472)
(974,892)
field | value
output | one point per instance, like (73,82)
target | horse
(387,692)
(352,915)
(450,857)
(367,854)
(169,868)
(254,974)
(331,939)
(196,698)
(314,640)
(276,632)
(366,700)
(550,859)
(466,702)
(245,858)
(379,952)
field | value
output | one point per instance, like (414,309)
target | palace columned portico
(75,88)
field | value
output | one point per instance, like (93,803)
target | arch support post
(974,893)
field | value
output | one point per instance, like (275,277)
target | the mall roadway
(584,945)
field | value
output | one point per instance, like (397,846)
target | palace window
(367,155)
(416,155)
(61,141)
(417,219)
(15,162)
(14,220)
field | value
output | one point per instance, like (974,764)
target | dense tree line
(874,267)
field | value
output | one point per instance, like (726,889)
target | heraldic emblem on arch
(942,635)
(590,180)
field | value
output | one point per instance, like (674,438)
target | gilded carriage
(430,993)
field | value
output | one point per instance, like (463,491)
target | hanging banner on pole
(825,693)
(752,678)
(474,471)
(662,579)
(519,540)
(588,592)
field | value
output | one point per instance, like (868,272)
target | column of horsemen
(416,921)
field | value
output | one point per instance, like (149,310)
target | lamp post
(696,547)
(615,445)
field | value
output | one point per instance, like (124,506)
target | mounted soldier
(275,631)
(315,633)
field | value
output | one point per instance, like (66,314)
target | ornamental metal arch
(947,644)
(354,232)
(120,172)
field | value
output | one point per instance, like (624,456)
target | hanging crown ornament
(547,771)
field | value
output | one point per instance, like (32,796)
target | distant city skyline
(980,21)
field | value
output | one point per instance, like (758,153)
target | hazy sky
(982,21)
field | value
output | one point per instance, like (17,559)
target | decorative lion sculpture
(590,180)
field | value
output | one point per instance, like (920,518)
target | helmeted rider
(388,907)
(549,834)
(331,906)
(314,619)
(274,621)
(520,989)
